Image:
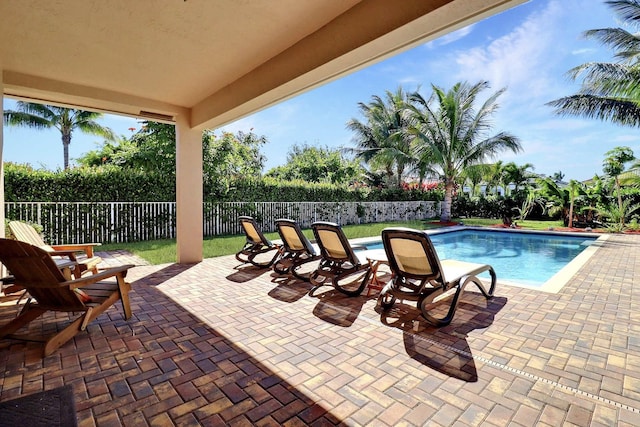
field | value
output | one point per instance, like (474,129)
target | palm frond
(627,10)
(620,111)
(23,119)
(623,42)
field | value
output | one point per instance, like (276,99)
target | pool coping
(556,282)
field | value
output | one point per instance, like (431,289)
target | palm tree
(66,120)
(558,176)
(451,134)
(613,165)
(516,175)
(381,141)
(494,177)
(575,189)
(610,91)
(473,176)
(557,198)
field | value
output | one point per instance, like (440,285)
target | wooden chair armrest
(93,278)
(77,247)
(70,254)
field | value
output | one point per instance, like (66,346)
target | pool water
(524,258)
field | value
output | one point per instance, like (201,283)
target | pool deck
(211,344)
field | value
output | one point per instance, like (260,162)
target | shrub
(110,183)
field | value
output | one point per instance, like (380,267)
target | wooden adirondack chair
(35,270)
(81,253)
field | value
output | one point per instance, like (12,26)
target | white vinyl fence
(114,222)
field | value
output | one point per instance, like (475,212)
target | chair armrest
(77,247)
(94,278)
(70,254)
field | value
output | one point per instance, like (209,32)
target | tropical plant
(451,134)
(616,214)
(556,198)
(108,153)
(528,203)
(557,176)
(613,165)
(494,178)
(473,176)
(610,91)
(381,140)
(519,176)
(66,120)
(574,189)
(633,225)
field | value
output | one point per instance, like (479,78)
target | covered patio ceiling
(215,60)
(205,63)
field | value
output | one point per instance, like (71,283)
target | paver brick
(212,345)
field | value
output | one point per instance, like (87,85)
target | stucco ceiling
(211,60)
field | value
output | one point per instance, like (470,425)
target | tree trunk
(66,140)
(571,213)
(445,215)
(620,202)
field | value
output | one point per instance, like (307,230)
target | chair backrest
(333,244)
(411,254)
(252,231)
(35,270)
(293,239)
(26,233)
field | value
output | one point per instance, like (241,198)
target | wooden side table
(376,258)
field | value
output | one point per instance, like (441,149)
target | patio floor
(213,345)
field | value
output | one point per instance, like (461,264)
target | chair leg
(124,288)
(56,341)
(352,291)
(265,264)
(459,287)
(22,319)
(80,324)
(423,304)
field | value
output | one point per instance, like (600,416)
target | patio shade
(202,64)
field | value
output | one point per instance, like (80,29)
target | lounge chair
(339,260)
(81,253)
(256,245)
(297,250)
(35,270)
(419,275)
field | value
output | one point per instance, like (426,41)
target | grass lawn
(528,224)
(164,251)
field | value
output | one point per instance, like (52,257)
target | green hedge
(104,184)
(114,184)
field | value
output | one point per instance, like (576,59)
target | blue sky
(527,49)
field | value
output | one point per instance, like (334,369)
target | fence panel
(116,222)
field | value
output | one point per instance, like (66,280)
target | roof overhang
(211,61)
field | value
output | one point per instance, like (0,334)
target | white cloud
(519,59)
(454,36)
(583,51)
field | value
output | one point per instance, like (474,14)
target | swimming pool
(528,259)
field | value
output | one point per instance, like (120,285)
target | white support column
(188,192)
(2,231)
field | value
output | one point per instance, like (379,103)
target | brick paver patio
(213,345)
